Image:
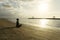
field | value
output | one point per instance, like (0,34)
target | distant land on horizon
(46,18)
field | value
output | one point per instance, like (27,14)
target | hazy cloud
(21,7)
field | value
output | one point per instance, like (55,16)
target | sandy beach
(8,31)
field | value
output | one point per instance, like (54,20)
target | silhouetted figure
(17,23)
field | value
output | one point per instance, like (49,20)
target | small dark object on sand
(17,23)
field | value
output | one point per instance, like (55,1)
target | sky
(29,8)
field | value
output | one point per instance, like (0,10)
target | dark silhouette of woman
(17,23)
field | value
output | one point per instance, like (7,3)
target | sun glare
(43,23)
(43,6)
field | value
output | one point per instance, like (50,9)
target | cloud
(26,0)
(1,0)
(4,13)
(16,7)
(6,5)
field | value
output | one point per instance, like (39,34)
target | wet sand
(8,31)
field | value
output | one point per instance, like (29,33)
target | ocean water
(38,22)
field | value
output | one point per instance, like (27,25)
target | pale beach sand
(8,31)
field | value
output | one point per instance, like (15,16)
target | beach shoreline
(8,31)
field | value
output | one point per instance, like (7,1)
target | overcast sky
(29,8)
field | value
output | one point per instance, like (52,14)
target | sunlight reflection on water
(43,23)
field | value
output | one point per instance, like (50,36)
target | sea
(38,22)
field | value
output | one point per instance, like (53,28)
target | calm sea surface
(38,22)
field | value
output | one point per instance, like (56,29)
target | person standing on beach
(17,23)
